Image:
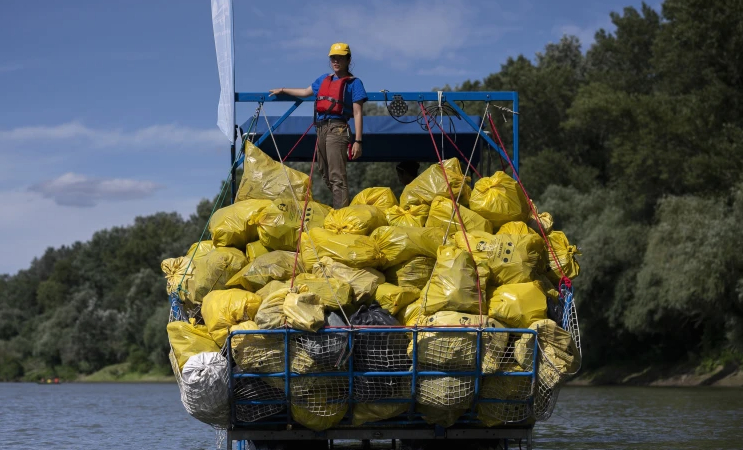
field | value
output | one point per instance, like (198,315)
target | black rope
(433,111)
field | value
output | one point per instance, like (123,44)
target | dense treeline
(634,146)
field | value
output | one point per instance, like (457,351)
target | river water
(150,416)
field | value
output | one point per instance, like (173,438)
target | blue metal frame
(413,418)
(446,97)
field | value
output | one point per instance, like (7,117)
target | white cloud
(10,67)
(408,31)
(77,190)
(32,223)
(150,136)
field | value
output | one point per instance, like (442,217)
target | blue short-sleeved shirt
(355,92)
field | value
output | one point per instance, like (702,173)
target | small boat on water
(49,381)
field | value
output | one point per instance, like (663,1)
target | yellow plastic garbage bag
(224,309)
(515,227)
(441,216)
(319,422)
(409,315)
(444,417)
(518,305)
(260,353)
(187,340)
(372,412)
(431,184)
(279,224)
(566,254)
(304,310)
(357,219)
(400,244)
(254,250)
(235,225)
(545,219)
(277,265)
(415,272)
(180,270)
(212,271)
(477,241)
(271,286)
(175,270)
(495,351)
(381,197)
(363,282)
(499,199)
(265,178)
(319,402)
(200,249)
(512,258)
(410,216)
(446,392)
(394,298)
(453,285)
(350,249)
(334,294)
(515,258)
(448,350)
(270,314)
(504,388)
(559,357)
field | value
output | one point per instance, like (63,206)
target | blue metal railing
(412,418)
(449,98)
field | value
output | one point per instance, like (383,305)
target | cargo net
(381,352)
(253,389)
(313,353)
(446,351)
(556,364)
(320,396)
(446,392)
(506,389)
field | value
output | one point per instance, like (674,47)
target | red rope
(304,212)
(300,140)
(564,281)
(455,206)
(457,149)
(495,132)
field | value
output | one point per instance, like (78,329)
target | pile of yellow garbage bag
(271,263)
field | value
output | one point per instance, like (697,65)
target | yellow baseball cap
(339,48)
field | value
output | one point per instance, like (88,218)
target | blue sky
(108,108)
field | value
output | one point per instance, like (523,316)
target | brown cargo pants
(332,153)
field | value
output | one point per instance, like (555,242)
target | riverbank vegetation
(635,145)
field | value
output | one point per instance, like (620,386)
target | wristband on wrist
(358,141)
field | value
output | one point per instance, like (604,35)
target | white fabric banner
(222,24)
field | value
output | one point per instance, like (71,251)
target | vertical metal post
(516,131)
(287,378)
(534,369)
(233,416)
(415,373)
(478,366)
(349,413)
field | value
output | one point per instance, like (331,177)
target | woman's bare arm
(295,92)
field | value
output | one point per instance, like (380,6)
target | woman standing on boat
(339,96)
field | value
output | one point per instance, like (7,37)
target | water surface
(150,416)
